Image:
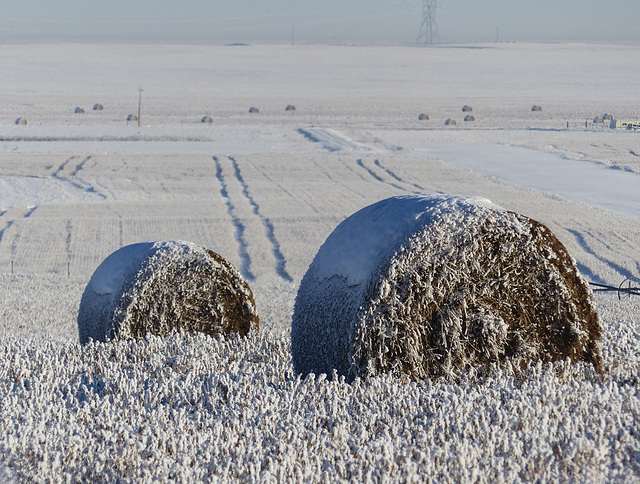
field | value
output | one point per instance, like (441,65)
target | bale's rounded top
(122,264)
(361,242)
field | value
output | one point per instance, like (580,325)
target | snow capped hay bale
(423,117)
(466,108)
(254,110)
(98,107)
(21,121)
(450,122)
(155,287)
(429,285)
(78,110)
(469,117)
(535,107)
(206,119)
(290,107)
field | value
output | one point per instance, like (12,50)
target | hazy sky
(318,21)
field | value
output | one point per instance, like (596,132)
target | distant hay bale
(78,110)
(132,117)
(423,117)
(254,110)
(536,108)
(155,287)
(598,120)
(469,117)
(206,119)
(21,121)
(290,107)
(427,286)
(466,108)
(450,122)
(98,107)
(607,117)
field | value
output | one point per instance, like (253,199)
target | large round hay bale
(535,107)
(78,110)
(450,122)
(290,107)
(21,121)
(98,107)
(254,110)
(469,117)
(155,287)
(429,285)
(132,117)
(466,108)
(423,117)
(206,119)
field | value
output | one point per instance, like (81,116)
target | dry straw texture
(153,288)
(447,284)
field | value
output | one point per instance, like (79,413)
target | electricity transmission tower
(428,28)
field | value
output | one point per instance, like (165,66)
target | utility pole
(428,28)
(139,104)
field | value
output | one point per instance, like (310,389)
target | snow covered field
(264,190)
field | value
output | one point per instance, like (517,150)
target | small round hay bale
(78,110)
(466,108)
(450,122)
(254,110)
(423,117)
(535,107)
(21,121)
(132,117)
(429,285)
(98,107)
(290,107)
(206,119)
(469,117)
(155,287)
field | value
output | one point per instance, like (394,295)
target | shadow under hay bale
(429,285)
(156,287)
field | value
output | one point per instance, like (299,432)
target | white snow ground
(264,190)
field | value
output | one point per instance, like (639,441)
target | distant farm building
(254,110)
(21,121)
(98,107)
(536,108)
(469,117)
(466,109)
(206,119)
(78,111)
(423,117)
(450,122)
(622,124)
(290,107)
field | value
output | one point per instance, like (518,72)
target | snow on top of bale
(154,287)
(430,285)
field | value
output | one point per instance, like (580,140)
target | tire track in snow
(585,246)
(245,259)
(9,224)
(378,177)
(266,222)
(73,179)
(397,178)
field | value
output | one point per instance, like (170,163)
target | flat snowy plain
(264,190)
